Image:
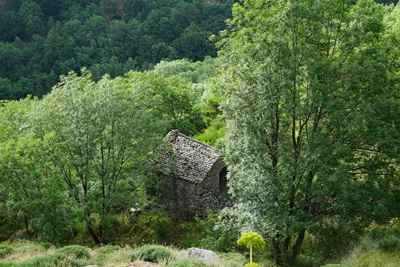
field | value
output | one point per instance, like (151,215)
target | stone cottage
(197,179)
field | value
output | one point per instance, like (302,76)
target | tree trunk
(297,245)
(91,231)
(278,252)
(28,232)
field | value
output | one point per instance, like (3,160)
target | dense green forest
(40,40)
(301,96)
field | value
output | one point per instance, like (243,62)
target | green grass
(378,248)
(153,253)
(31,254)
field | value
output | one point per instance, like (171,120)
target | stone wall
(185,199)
(210,183)
(179,197)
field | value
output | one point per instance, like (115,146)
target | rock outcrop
(207,256)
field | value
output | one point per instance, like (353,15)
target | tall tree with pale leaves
(313,108)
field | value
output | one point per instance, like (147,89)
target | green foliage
(189,262)
(27,247)
(306,261)
(148,227)
(46,261)
(4,250)
(251,239)
(378,233)
(217,241)
(76,251)
(251,264)
(118,129)
(332,241)
(8,264)
(153,253)
(97,171)
(168,99)
(108,249)
(213,133)
(235,257)
(303,111)
(195,72)
(203,233)
(45,39)
(336,265)
(389,243)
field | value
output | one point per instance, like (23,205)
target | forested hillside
(40,40)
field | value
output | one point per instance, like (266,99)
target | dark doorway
(222,179)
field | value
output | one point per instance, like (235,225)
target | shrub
(45,261)
(152,253)
(306,260)
(389,243)
(189,262)
(8,264)
(149,227)
(28,247)
(101,259)
(4,250)
(379,233)
(162,227)
(78,252)
(336,265)
(46,245)
(108,249)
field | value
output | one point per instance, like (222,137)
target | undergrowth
(380,246)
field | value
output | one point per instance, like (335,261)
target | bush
(8,264)
(28,247)
(45,261)
(78,252)
(108,249)
(389,243)
(336,265)
(306,260)
(379,233)
(152,253)
(100,259)
(189,262)
(332,241)
(4,250)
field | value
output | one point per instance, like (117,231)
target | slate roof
(194,159)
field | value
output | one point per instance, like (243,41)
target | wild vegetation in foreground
(380,246)
(25,253)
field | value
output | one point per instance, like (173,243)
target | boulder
(207,256)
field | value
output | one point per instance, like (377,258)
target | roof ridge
(197,141)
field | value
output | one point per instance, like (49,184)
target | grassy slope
(373,250)
(30,254)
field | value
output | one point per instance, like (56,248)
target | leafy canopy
(312,108)
(251,239)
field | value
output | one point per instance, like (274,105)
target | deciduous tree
(103,133)
(313,107)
